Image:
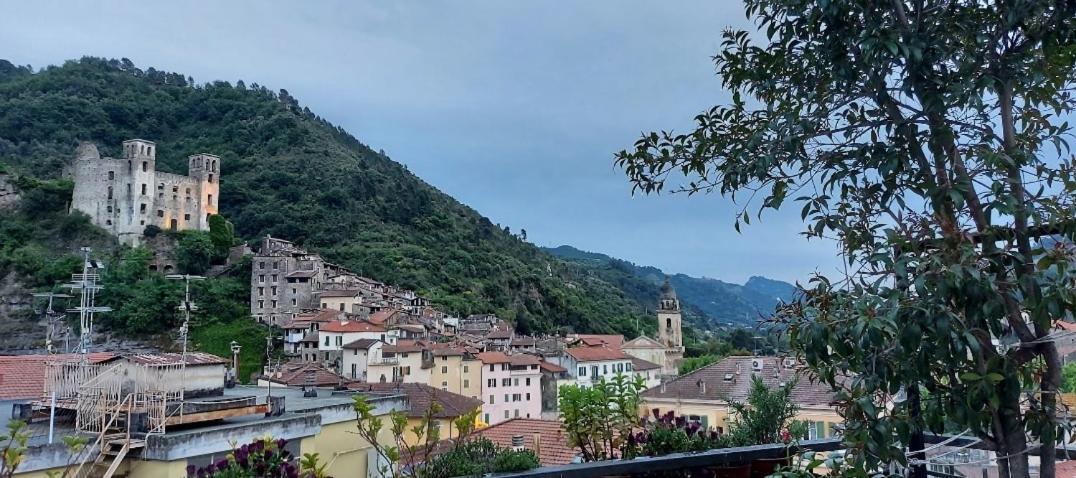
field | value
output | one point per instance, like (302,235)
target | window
(487,418)
(261,304)
(160,187)
(491,383)
(210,178)
(326,340)
(465,370)
(274,278)
(142,208)
(515,382)
(605,369)
(210,201)
(528,381)
(444,369)
(292,290)
(516,397)
(276,264)
(504,366)
(261,278)
(108,222)
(668,323)
(261,291)
(110,192)
(594,371)
(188,191)
(466,383)
(582,371)
(160,213)
(111,175)
(186,217)
(491,367)
(341,307)
(339,340)
(516,413)
(274,290)
(506,398)
(110,209)
(506,414)
(145,166)
(143,189)
(175,189)
(274,304)
(528,397)
(261,265)
(506,382)
(293,302)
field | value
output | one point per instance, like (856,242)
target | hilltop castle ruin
(125,195)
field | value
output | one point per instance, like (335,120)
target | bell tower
(669,333)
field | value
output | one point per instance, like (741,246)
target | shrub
(151,230)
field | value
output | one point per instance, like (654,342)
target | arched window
(145,166)
(214,165)
(110,192)
(210,178)
(111,175)
(668,323)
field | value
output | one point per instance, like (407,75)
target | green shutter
(703,422)
(820,429)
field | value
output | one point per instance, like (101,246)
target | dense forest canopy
(288,173)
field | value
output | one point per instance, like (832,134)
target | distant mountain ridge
(719,302)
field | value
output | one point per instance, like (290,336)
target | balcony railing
(384,361)
(678,464)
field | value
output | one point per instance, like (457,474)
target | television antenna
(86,285)
(54,321)
(184,330)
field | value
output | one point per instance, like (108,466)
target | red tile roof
(545,437)
(320,315)
(23,376)
(594,354)
(493,357)
(361,344)
(639,364)
(382,316)
(612,340)
(344,326)
(552,367)
(298,374)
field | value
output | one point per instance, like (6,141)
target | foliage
(1068,378)
(397,457)
(151,231)
(12,447)
(667,433)
(479,457)
(288,173)
(222,235)
(928,138)
(599,419)
(764,416)
(261,457)
(194,253)
(692,364)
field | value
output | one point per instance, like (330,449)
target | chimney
(538,444)
(517,443)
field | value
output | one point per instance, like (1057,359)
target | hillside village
(340,334)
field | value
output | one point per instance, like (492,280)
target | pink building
(511,386)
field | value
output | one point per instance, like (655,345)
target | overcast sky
(514,108)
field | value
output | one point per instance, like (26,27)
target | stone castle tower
(669,330)
(125,195)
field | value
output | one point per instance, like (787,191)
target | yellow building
(705,395)
(457,372)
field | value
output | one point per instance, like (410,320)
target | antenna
(184,330)
(86,284)
(53,321)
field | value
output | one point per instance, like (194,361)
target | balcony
(384,361)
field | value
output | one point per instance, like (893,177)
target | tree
(194,252)
(927,139)
(221,234)
(597,418)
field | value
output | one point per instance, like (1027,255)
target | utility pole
(184,330)
(235,361)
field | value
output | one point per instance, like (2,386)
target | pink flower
(786,437)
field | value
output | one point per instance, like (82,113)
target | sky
(515,108)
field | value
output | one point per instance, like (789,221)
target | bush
(151,231)
(477,457)
(194,253)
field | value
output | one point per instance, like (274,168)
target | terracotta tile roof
(302,274)
(361,344)
(551,446)
(642,342)
(524,359)
(344,326)
(23,376)
(420,396)
(382,316)
(612,340)
(296,324)
(499,334)
(194,359)
(717,388)
(593,354)
(320,315)
(493,357)
(1065,469)
(310,337)
(639,364)
(401,347)
(551,367)
(298,374)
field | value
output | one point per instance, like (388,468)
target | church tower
(669,333)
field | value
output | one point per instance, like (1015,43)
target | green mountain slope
(714,302)
(289,173)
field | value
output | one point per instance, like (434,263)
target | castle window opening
(128,166)
(174,224)
(210,202)
(142,208)
(143,189)
(111,175)
(186,217)
(145,166)
(110,192)
(188,191)
(110,209)
(210,178)
(160,187)
(108,222)
(175,189)
(668,323)
(168,268)
(160,213)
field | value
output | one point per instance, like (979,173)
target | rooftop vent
(517,442)
(756,364)
(728,377)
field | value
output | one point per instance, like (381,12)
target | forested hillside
(711,301)
(289,173)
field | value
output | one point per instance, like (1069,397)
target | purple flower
(280,443)
(191,470)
